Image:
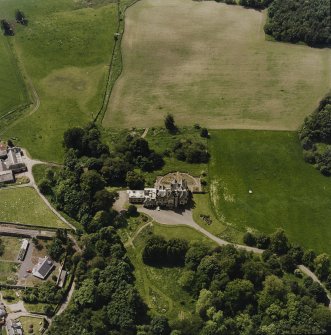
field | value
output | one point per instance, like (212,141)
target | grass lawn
(7,272)
(223,73)
(158,286)
(12,87)
(12,248)
(66,51)
(23,205)
(35,322)
(287,192)
(36,308)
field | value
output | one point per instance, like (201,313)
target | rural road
(312,275)
(168,217)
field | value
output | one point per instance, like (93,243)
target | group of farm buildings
(11,162)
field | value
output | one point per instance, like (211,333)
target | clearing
(210,63)
(287,192)
(159,286)
(23,205)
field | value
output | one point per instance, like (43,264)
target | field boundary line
(117,51)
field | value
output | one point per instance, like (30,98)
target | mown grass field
(23,205)
(159,286)
(65,50)
(12,88)
(211,63)
(287,192)
(37,324)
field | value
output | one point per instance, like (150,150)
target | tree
(238,294)
(169,123)
(322,266)
(279,242)
(135,181)
(249,239)
(160,326)
(204,132)
(274,291)
(20,17)
(73,138)
(7,28)
(45,187)
(91,182)
(132,210)
(204,302)
(104,200)
(308,258)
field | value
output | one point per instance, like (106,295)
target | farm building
(7,176)
(174,195)
(43,268)
(14,161)
(3,150)
(23,250)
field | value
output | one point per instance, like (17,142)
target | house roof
(6,176)
(43,268)
(3,166)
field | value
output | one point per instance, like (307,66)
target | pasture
(23,205)
(287,192)
(65,50)
(12,89)
(210,63)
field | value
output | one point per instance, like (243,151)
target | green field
(23,205)
(7,272)
(12,89)
(287,192)
(210,63)
(66,51)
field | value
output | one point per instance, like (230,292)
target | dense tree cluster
(315,137)
(240,293)
(158,251)
(60,246)
(47,293)
(191,151)
(105,300)
(89,166)
(257,4)
(292,255)
(300,20)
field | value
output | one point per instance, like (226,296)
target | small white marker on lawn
(250,191)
